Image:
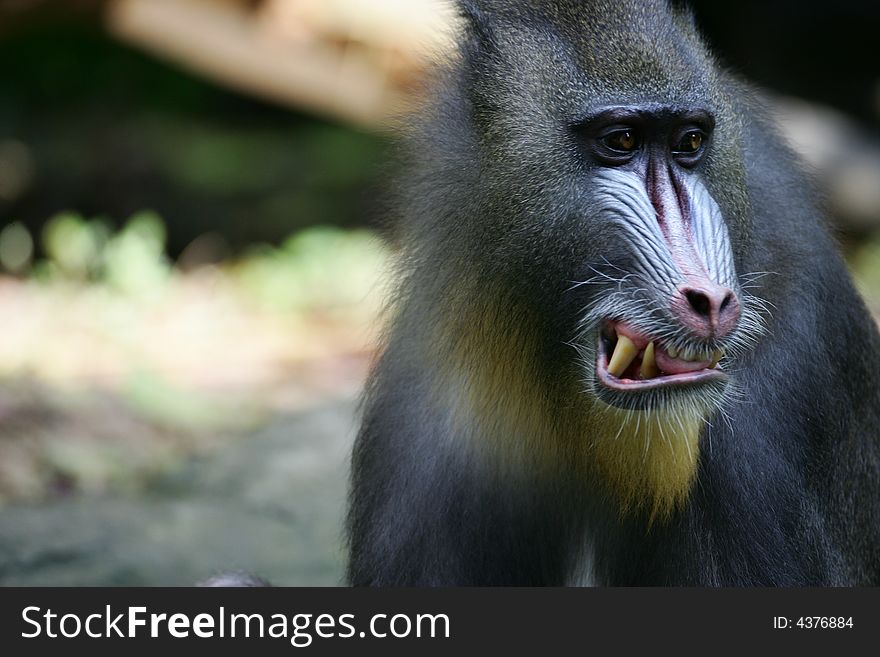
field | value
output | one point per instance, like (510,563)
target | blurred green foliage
(16,248)
(132,260)
(73,246)
(319,269)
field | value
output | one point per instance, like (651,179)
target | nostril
(726,302)
(700,302)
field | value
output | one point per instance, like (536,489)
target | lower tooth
(673,352)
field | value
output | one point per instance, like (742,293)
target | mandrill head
(597,173)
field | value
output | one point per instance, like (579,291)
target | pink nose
(709,310)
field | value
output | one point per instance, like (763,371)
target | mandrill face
(666,306)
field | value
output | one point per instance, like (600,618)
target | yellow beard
(647,461)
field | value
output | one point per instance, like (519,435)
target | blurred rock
(271,505)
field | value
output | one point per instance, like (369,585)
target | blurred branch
(346,59)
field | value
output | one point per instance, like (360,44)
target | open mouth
(630,361)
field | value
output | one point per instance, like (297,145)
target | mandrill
(623,348)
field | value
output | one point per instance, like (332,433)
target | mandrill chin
(623,348)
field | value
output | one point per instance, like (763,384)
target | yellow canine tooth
(649,365)
(624,353)
(715,358)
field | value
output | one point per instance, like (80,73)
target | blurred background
(194,252)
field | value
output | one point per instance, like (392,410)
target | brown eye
(622,141)
(690,143)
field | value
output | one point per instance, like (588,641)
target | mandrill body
(624,349)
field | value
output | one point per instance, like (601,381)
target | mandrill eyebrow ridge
(642,113)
